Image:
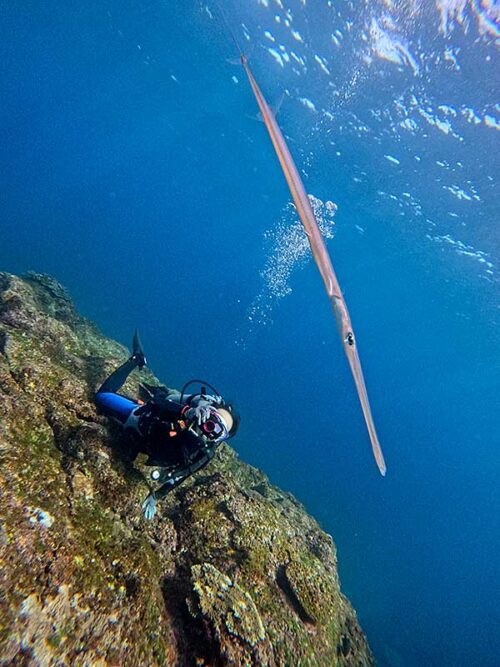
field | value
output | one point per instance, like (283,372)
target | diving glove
(149,507)
(217,400)
(200,413)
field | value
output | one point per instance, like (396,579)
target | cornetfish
(321,257)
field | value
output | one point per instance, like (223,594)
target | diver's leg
(118,377)
(114,405)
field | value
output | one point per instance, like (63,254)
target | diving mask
(214,428)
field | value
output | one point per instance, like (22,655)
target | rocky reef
(232,571)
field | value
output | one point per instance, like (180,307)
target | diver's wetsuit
(156,427)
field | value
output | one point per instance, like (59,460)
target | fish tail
(243,57)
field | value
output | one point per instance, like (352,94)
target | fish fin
(255,116)
(275,110)
(244,56)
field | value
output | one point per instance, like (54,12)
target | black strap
(174,479)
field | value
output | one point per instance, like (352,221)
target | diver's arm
(173,480)
(193,400)
(204,399)
(176,478)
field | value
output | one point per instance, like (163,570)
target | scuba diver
(179,432)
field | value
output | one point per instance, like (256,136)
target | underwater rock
(232,615)
(232,571)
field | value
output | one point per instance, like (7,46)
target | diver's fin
(145,393)
(137,350)
(136,344)
(153,392)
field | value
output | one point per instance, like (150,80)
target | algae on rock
(232,572)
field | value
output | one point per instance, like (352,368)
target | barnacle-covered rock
(233,571)
(232,616)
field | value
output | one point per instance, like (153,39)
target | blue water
(133,171)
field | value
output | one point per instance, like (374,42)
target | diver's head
(226,417)
(231,417)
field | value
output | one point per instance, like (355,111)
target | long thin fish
(321,257)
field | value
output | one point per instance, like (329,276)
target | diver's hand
(149,507)
(217,400)
(200,413)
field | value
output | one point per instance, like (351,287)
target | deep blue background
(148,198)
